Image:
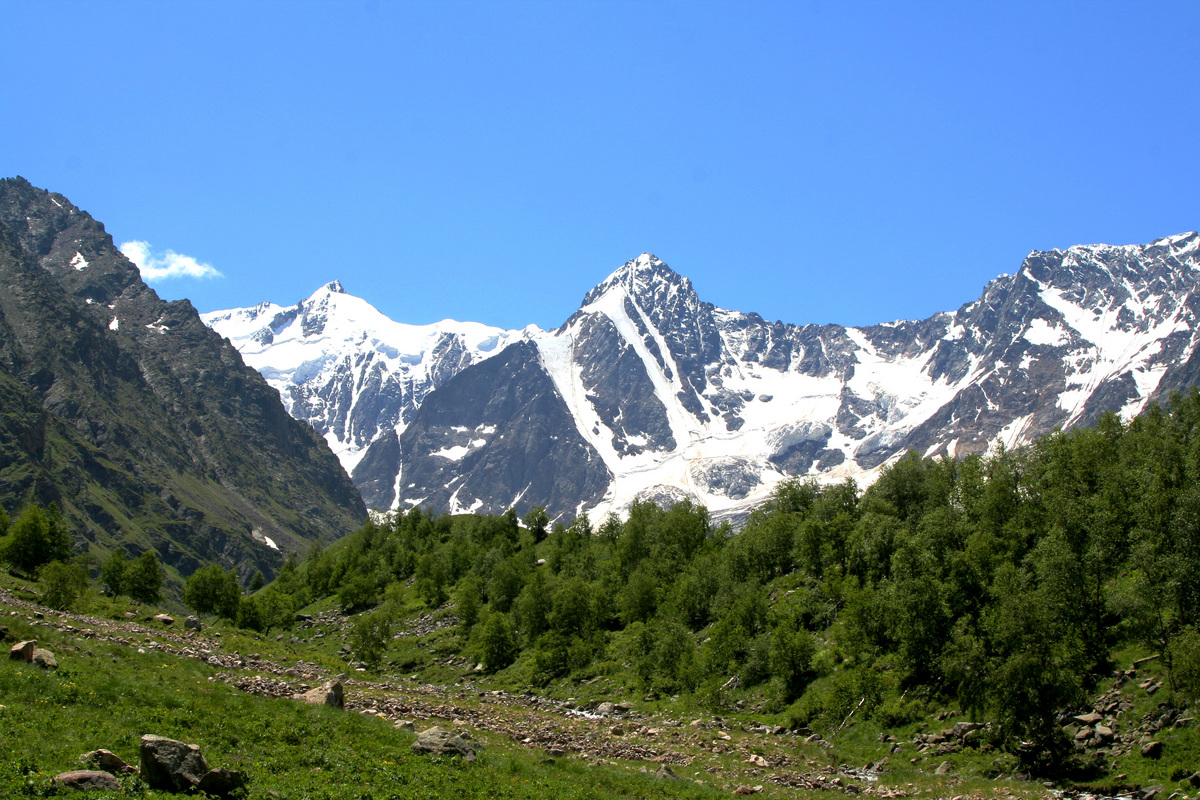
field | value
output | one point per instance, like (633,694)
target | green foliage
(497,642)
(62,584)
(371,634)
(212,590)
(143,578)
(4,522)
(38,536)
(112,572)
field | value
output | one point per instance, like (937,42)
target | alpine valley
(649,392)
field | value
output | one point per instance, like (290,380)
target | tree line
(1002,582)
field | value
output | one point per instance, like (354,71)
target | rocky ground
(743,758)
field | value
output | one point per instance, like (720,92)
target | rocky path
(741,759)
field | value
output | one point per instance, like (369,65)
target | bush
(62,584)
(370,636)
(497,643)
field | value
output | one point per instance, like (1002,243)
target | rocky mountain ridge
(143,425)
(647,391)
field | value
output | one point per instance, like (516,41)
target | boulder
(164,619)
(221,782)
(106,761)
(23,651)
(329,693)
(1152,750)
(86,780)
(1089,719)
(44,659)
(665,773)
(170,765)
(961,729)
(441,742)
(943,768)
(193,624)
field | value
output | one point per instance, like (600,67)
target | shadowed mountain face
(139,421)
(677,398)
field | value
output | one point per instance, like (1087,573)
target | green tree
(112,572)
(62,584)
(258,581)
(144,578)
(537,522)
(212,590)
(371,634)
(497,642)
(28,545)
(3,521)
(250,615)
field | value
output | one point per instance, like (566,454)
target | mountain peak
(334,287)
(641,277)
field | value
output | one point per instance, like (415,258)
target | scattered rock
(1089,719)
(87,780)
(164,619)
(106,761)
(665,773)
(405,725)
(329,693)
(44,659)
(606,709)
(221,782)
(441,742)
(943,768)
(1152,749)
(171,765)
(23,651)
(193,624)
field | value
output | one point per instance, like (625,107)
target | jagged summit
(645,278)
(333,287)
(647,391)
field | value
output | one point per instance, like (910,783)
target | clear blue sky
(812,161)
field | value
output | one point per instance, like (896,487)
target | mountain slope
(348,370)
(678,398)
(140,422)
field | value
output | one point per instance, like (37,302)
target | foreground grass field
(121,678)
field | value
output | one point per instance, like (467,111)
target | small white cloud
(156,267)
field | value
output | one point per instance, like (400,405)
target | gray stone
(106,761)
(171,765)
(1152,750)
(329,693)
(164,619)
(943,768)
(87,780)
(441,742)
(1089,719)
(193,624)
(44,659)
(23,651)
(221,782)
(665,773)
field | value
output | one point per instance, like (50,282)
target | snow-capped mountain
(348,370)
(648,391)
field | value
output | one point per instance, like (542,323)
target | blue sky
(812,161)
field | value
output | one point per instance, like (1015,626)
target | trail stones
(329,693)
(87,780)
(441,742)
(23,651)
(107,761)
(170,765)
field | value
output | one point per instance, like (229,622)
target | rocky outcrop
(117,405)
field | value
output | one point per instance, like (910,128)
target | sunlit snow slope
(647,391)
(348,370)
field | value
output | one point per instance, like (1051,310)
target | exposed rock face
(111,398)
(647,391)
